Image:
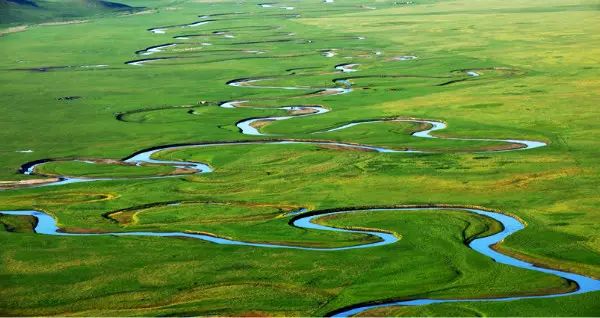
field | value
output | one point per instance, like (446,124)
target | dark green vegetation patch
(36,11)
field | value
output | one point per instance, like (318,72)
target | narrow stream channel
(46,224)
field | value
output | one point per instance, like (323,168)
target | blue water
(246,128)
(438,125)
(483,245)
(47,225)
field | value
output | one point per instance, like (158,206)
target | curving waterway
(47,225)
(247,126)
(438,125)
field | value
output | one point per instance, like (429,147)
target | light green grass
(101,170)
(552,48)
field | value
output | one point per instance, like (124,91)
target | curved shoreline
(154,49)
(246,126)
(439,125)
(144,156)
(140,62)
(247,82)
(163,29)
(483,245)
(46,224)
(347,67)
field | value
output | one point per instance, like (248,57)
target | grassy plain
(539,80)
(19,12)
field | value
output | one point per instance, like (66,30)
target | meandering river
(47,225)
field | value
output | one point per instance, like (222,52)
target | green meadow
(68,96)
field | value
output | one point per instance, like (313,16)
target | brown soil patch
(182,171)
(65,22)
(20,28)
(503,147)
(302,111)
(78,230)
(140,12)
(341,147)
(24,183)
(260,123)
(123,217)
(325,92)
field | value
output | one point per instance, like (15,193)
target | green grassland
(91,169)
(539,80)
(51,11)
(17,224)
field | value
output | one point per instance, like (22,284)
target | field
(488,69)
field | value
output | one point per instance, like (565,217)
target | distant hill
(36,11)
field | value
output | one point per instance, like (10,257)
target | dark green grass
(17,224)
(35,11)
(548,95)
(534,308)
(166,277)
